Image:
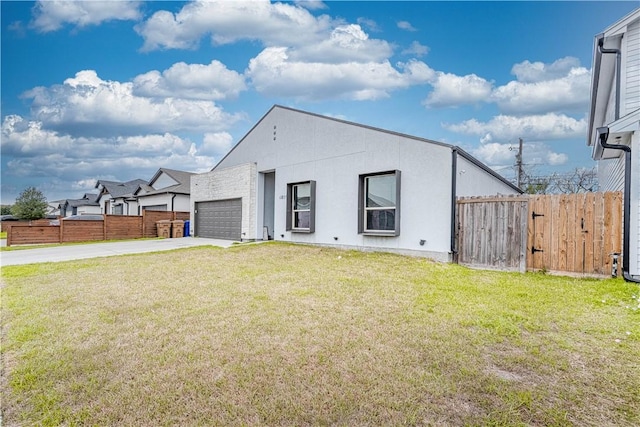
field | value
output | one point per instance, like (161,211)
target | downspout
(618,66)
(454,173)
(172,197)
(603,133)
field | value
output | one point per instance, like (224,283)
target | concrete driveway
(95,250)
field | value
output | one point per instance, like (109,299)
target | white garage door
(221,219)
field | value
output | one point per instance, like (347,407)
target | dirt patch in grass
(278,334)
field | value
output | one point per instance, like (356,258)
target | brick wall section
(230,183)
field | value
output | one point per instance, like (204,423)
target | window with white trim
(301,207)
(379,204)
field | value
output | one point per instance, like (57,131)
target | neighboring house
(116,198)
(614,125)
(301,177)
(53,208)
(88,204)
(168,190)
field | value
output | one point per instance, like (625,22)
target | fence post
(104,227)
(9,235)
(61,234)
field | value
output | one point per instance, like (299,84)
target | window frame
(363,209)
(291,211)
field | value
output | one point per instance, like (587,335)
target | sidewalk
(103,249)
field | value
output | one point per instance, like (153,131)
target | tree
(30,204)
(578,180)
(5,210)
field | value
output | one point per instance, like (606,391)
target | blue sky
(114,90)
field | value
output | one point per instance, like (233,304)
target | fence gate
(492,232)
(568,233)
(576,233)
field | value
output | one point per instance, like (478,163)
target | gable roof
(120,189)
(182,178)
(455,148)
(89,199)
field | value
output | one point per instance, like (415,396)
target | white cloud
(416,49)
(451,90)
(192,81)
(311,4)
(494,153)
(346,43)
(89,105)
(216,144)
(560,86)
(84,184)
(51,15)
(75,162)
(272,72)
(229,21)
(534,153)
(405,25)
(540,127)
(531,72)
(369,24)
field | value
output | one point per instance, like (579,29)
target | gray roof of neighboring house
(88,199)
(183,178)
(121,189)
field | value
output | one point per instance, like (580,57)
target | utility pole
(519,162)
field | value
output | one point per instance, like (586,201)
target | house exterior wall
(302,147)
(163,181)
(180,202)
(83,210)
(473,180)
(234,182)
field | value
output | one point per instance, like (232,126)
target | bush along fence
(113,227)
(568,233)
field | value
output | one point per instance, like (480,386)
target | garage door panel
(220,219)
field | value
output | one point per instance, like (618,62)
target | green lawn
(278,334)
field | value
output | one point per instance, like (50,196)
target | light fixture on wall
(335,238)
(422,242)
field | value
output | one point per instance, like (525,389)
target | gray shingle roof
(183,178)
(121,189)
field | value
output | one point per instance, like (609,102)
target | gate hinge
(534,215)
(534,250)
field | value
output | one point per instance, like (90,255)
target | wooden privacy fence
(569,233)
(113,227)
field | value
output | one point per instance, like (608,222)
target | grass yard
(277,334)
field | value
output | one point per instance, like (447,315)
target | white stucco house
(116,198)
(167,190)
(301,177)
(614,126)
(88,204)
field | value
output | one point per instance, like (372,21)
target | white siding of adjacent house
(611,174)
(301,147)
(631,68)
